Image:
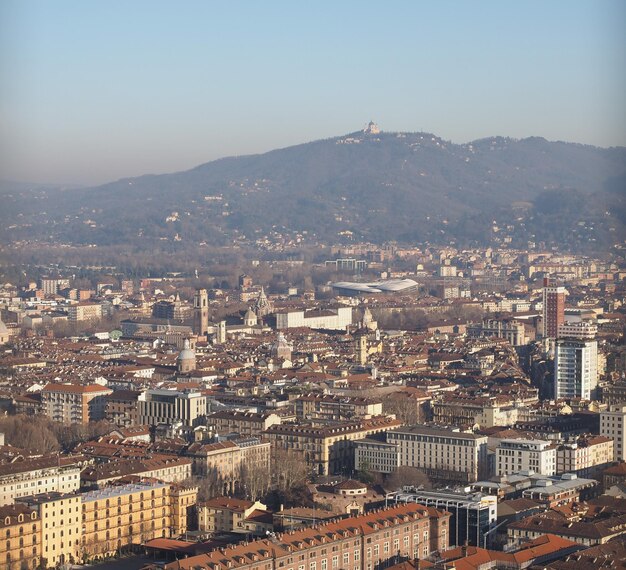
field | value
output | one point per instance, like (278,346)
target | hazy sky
(94,91)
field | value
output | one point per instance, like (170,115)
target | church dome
(186,353)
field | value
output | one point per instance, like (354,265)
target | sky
(93,91)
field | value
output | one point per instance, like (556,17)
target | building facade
(168,406)
(337,319)
(515,455)
(575,369)
(442,453)
(366,542)
(74,403)
(327,450)
(47,474)
(612,425)
(553,308)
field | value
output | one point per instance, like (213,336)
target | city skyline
(96,92)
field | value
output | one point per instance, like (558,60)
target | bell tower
(201,312)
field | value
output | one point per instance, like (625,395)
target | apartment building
(183,500)
(365,542)
(60,515)
(84,311)
(446,454)
(375,455)
(119,516)
(168,406)
(586,457)
(226,459)
(45,474)
(74,403)
(575,369)
(226,514)
(246,424)
(512,331)
(612,425)
(327,449)
(464,412)
(120,408)
(583,330)
(331,407)
(52,285)
(515,455)
(20,529)
(163,467)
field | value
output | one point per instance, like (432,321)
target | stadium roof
(383,286)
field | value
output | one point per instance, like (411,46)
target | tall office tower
(201,312)
(575,368)
(553,308)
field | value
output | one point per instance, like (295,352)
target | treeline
(40,435)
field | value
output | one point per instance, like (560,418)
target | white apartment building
(586,456)
(329,319)
(39,475)
(84,311)
(168,406)
(583,330)
(515,455)
(612,424)
(575,368)
(443,453)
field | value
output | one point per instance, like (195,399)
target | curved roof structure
(382,286)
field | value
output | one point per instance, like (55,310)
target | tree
(255,480)
(406,476)
(405,407)
(289,469)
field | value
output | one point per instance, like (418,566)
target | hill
(377,187)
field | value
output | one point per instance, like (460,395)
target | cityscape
(373,350)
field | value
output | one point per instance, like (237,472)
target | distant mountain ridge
(377,187)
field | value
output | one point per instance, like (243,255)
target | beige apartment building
(60,515)
(119,516)
(586,457)
(329,449)
(442,453)
(84,311)
(225,514)
(48,474)
(74,403)
(330,407)
(78,527)
(20,529)
(246,424)
(226,459)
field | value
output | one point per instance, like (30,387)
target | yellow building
(119,516)
(60,526)
(20,532)
(183,502)
(226,514)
